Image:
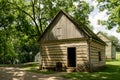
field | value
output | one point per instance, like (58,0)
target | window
(59,32)
(99,56)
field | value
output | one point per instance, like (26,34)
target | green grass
(41,72)
(30,65)
(34,67)
(118,55)
(111,72)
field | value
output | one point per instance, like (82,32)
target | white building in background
(37,57)
(110,47)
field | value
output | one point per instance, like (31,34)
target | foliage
(40,12)
(113,10)
(6,47)
(16,33)
(23,21)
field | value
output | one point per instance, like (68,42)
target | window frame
(99,56)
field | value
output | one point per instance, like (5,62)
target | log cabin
(110,49)
(70,43)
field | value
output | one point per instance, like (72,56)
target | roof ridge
(104,35)
(83,27)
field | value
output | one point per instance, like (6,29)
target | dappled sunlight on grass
(30,66)
(111,72)
(34,67)
(41,72)
(93,76)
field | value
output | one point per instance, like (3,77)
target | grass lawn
(34,67)
(111,72)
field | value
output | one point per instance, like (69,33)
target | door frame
(74,56)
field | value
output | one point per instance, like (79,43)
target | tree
(40,12)
(113,8)
(6,20)
(23,21)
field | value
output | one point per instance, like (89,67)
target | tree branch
(40,17)
(33,18)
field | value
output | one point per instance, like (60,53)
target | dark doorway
(71,56)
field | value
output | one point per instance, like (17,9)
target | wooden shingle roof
(104,35)
(79,25)
(109,40)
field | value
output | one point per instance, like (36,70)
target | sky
(95,15)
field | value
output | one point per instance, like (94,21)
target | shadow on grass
(111,72)
(30,67)
(11,73)
(30,64)
(41,72)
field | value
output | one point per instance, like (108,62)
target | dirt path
(10,73)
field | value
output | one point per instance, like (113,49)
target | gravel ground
(11,73)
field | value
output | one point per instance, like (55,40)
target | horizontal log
(53,52)
(82,60)
(97,49)
(67,40)
(65,43)
(94,60)
(94,57)
(55,59)
(79,54)
(82,49)
(82,56)
(57,47)
(94,54)
(50,65)
(98,46)
(55,56)
(54,49)
(98,64)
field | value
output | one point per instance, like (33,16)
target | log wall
(95,48)
(57,52)
(53,52)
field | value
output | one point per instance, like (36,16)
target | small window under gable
(59,32)
(99,56)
